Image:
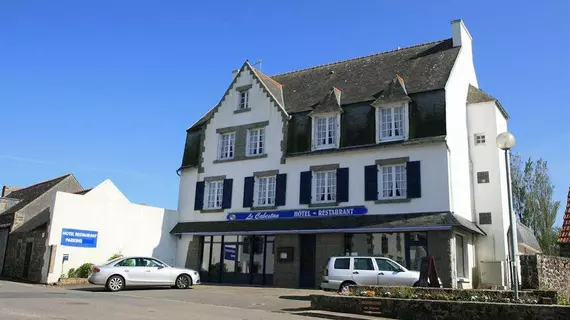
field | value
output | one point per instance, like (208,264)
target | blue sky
(106,89)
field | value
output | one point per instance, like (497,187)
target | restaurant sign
(299,213)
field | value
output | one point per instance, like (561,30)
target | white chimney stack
(460,34)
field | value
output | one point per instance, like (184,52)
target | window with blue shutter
(248,184)
(305,187)
(342,185)
(227,194)
(414,183)
(280,189)
(371,183)
(199,198)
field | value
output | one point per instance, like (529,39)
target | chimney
(7,189)
(460,34)
(234,73)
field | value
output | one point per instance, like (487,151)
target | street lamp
(505,142)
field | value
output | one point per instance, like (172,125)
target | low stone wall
(546,273)
(71,281)
(431,309)
(531,296)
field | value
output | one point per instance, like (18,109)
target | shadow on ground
(298,298)
(103,289)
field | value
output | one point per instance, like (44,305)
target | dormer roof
(564,236)
(395,91)
(476,95)
(330,103)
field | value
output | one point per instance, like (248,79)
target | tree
(532,200)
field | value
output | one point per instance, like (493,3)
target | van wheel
(344,286)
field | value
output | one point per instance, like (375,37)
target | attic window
(392,122)
(243,100)
(326,131)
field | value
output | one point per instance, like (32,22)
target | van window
(363,264)
(386,265)
(342,263)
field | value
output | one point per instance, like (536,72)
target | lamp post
(505,142)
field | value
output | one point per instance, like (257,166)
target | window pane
(460,255)
(325,186)
(385,265)
(342,263)
(363,264)
(399,121)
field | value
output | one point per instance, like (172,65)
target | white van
(342,272)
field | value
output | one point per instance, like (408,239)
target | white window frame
(264,196)
(327,187)
(464,258)
(243,104)
(259,143)
(391,177)
(479,139)
(405,122)
(213,188)
(231,152)
(331,117)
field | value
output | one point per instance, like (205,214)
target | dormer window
(243,100)
(326,131)
(392,122)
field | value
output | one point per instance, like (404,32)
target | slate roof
(527,237)
(29,194)
(476,95)
(83,191)
(425,221)
(37,222)
(424,67)
(564,236)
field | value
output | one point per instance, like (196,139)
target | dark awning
(367,223)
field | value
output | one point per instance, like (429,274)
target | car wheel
(115,283)
(183,282)
(344,286)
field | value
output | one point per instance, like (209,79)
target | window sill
(212,210)
(384,201)
(399,139)
(323,204)
(263,208)
(240,158)
(242,110)
(463,280)
(327,147)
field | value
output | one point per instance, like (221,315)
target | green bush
(115,256)
(564,300)
(84,270)
(71,273)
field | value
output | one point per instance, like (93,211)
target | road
(20,301)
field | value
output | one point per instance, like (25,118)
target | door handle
(380,273)
(355,272)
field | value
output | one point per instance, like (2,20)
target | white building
(390,154)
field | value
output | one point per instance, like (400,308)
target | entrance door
(27,259)
(307,270)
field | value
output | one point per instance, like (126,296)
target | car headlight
(195,273)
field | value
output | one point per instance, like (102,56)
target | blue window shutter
(227,194)
(414,182)
(248,183)
(371,183)
(342,185)
(305,187)
(199,200)
(280,189)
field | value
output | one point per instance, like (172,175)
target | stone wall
(194,255)
(328,245)
(14,262)
(545,273)
(431,309)
(439,245)
(564,250)
(286,274)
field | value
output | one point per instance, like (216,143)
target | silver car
(123,272)
(342,272)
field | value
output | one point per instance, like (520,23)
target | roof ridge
(362,57)
(257,70)
(45,181)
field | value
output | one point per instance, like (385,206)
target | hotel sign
(298,214)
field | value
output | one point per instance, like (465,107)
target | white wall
(123,227)
(462,74)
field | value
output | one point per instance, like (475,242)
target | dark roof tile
(564,236)
(330,103)
(395,91)
(476,95)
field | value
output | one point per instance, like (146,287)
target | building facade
(391,154)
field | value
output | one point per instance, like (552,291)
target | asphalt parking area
(260,298)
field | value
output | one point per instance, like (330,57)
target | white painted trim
(337,132)
(406,121)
